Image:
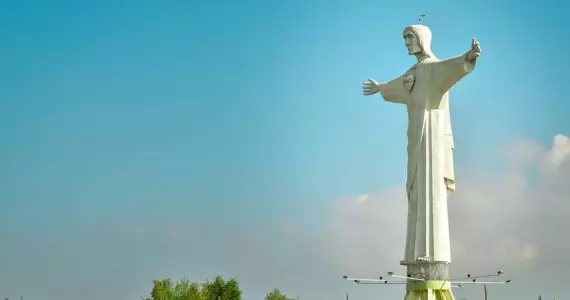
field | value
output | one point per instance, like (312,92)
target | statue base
(427,270)
(435,285)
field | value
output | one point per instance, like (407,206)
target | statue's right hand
(370,87)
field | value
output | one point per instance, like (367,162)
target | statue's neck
(421,57)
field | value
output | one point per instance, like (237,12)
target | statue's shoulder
(428,63)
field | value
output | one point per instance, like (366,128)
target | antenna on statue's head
(420,18)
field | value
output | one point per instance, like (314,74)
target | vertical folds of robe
(430,172)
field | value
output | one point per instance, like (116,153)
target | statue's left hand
(475,50)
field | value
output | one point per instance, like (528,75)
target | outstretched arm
(450,71)
(392,91)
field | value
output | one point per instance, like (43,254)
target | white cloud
(560,151)
(367,231)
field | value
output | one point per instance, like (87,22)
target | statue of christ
(424,89)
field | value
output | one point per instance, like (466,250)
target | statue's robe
(424,89)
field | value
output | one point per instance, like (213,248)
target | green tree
(218,289)
(232,292)
(186,290)
(162,290)
(276,294)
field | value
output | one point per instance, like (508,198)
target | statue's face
(412,42)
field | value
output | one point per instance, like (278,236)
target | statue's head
(418,40)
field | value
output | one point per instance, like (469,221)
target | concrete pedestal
(436,285)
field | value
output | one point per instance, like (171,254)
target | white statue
(424,89)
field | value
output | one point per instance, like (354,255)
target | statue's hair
(423,35)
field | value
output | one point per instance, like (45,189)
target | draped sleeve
(448,72)
(394,91)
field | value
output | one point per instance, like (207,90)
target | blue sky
(234,118)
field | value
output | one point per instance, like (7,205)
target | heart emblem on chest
(409,80)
